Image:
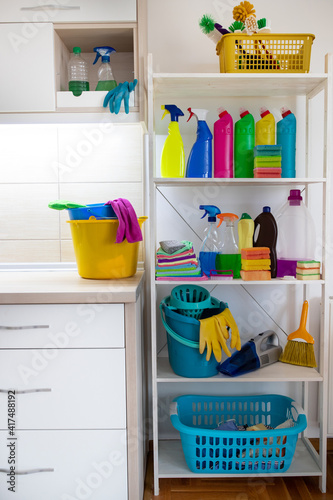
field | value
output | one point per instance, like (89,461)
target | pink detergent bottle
(223,145)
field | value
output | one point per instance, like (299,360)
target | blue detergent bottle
(286,137)
(210,244)
(199,163)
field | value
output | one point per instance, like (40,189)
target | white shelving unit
(167,88)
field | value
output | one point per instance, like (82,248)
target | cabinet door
(27,81)
(62,326)
(82,464)
(64,388)
(68,11)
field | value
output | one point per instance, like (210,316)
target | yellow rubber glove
(231,323)
(213,336)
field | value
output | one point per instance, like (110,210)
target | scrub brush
(237,26)
(263,25)
(299,349)
(207,25)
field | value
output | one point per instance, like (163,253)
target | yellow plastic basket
(97,254)
(265,53)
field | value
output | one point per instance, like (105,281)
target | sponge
(255,275)
(308,264)
(256,264)
(255,253)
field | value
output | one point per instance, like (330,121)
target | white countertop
(65,287)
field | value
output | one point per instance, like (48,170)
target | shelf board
(187,182)
(88,99)
(178,85)
(171,463)
(278,372)
(238,282)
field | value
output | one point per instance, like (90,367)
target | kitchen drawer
(80,388)
(86,464)
(67,11)
(62,326)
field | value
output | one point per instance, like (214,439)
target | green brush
(262,23)
(207,26)
(236,25)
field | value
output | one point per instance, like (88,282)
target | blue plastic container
(98,210)
(286,137)
(183,342)
(211,451)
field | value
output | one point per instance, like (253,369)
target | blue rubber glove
(114,97)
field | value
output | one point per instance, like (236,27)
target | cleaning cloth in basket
(129,227)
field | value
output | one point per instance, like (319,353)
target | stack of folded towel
(176,259)
(308,270)
(267,161)
(256,264)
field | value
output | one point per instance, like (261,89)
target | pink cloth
(129,227)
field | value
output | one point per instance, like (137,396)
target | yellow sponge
(256,264)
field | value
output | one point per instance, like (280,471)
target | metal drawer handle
(29,327)
(50,7)
(25,391)
(24,472)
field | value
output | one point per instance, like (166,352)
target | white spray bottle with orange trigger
(229,258)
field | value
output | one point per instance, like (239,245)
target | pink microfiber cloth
(129,227)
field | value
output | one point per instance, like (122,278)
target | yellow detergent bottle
(245,231)
(173,155)
(265,128)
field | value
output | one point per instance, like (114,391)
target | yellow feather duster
(243,10)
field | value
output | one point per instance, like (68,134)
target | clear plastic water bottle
(77,73)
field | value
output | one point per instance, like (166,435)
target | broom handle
(304,315)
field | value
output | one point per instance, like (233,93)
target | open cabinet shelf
(172,463)
(180,196)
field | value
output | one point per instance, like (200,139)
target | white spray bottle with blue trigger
(106,80)
(210,244)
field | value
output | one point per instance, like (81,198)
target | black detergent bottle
(266,235)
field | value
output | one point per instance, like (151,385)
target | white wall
(178,45)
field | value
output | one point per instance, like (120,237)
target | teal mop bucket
(208,450)
(183,341)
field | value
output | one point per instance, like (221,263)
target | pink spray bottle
(223,145)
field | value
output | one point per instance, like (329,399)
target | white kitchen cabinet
(184,197)
(72,350)
(67,465)
(67,11)
(27,80)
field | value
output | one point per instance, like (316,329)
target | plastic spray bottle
(266,235)
(245,232)
(224,145)
(286,137)
(199,163)
(265,128)
(105,76)
(244,144)
(173,156)
(229,257)
(210,244)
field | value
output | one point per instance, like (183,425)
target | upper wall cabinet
(46,11)
(26,58)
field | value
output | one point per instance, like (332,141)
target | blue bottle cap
(266,209)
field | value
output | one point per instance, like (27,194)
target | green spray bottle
(106,80)
(244,144)
(173,155)
(229,257)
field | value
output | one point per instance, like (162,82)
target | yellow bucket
(97,254)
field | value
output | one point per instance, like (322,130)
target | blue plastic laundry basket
(212,451)
(183,341)
(98,210)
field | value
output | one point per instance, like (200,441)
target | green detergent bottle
(229,257)
(105,75)
(244,144)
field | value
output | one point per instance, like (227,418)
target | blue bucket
(98,210)
(183,334)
